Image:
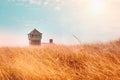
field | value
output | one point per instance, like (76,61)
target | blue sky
(89,20)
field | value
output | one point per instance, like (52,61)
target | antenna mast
(77,38)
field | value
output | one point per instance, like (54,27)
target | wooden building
(35,37)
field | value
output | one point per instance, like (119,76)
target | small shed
(35,37)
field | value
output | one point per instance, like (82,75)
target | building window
(31,35)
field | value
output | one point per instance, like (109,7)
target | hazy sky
(89,20)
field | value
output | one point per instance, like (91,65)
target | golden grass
(60,62)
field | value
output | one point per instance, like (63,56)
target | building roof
(35,31)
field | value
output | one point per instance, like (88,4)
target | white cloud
(37,2)
(23,0)
(55,4)
(57,8)
(46,2)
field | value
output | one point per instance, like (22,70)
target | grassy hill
(60,62)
